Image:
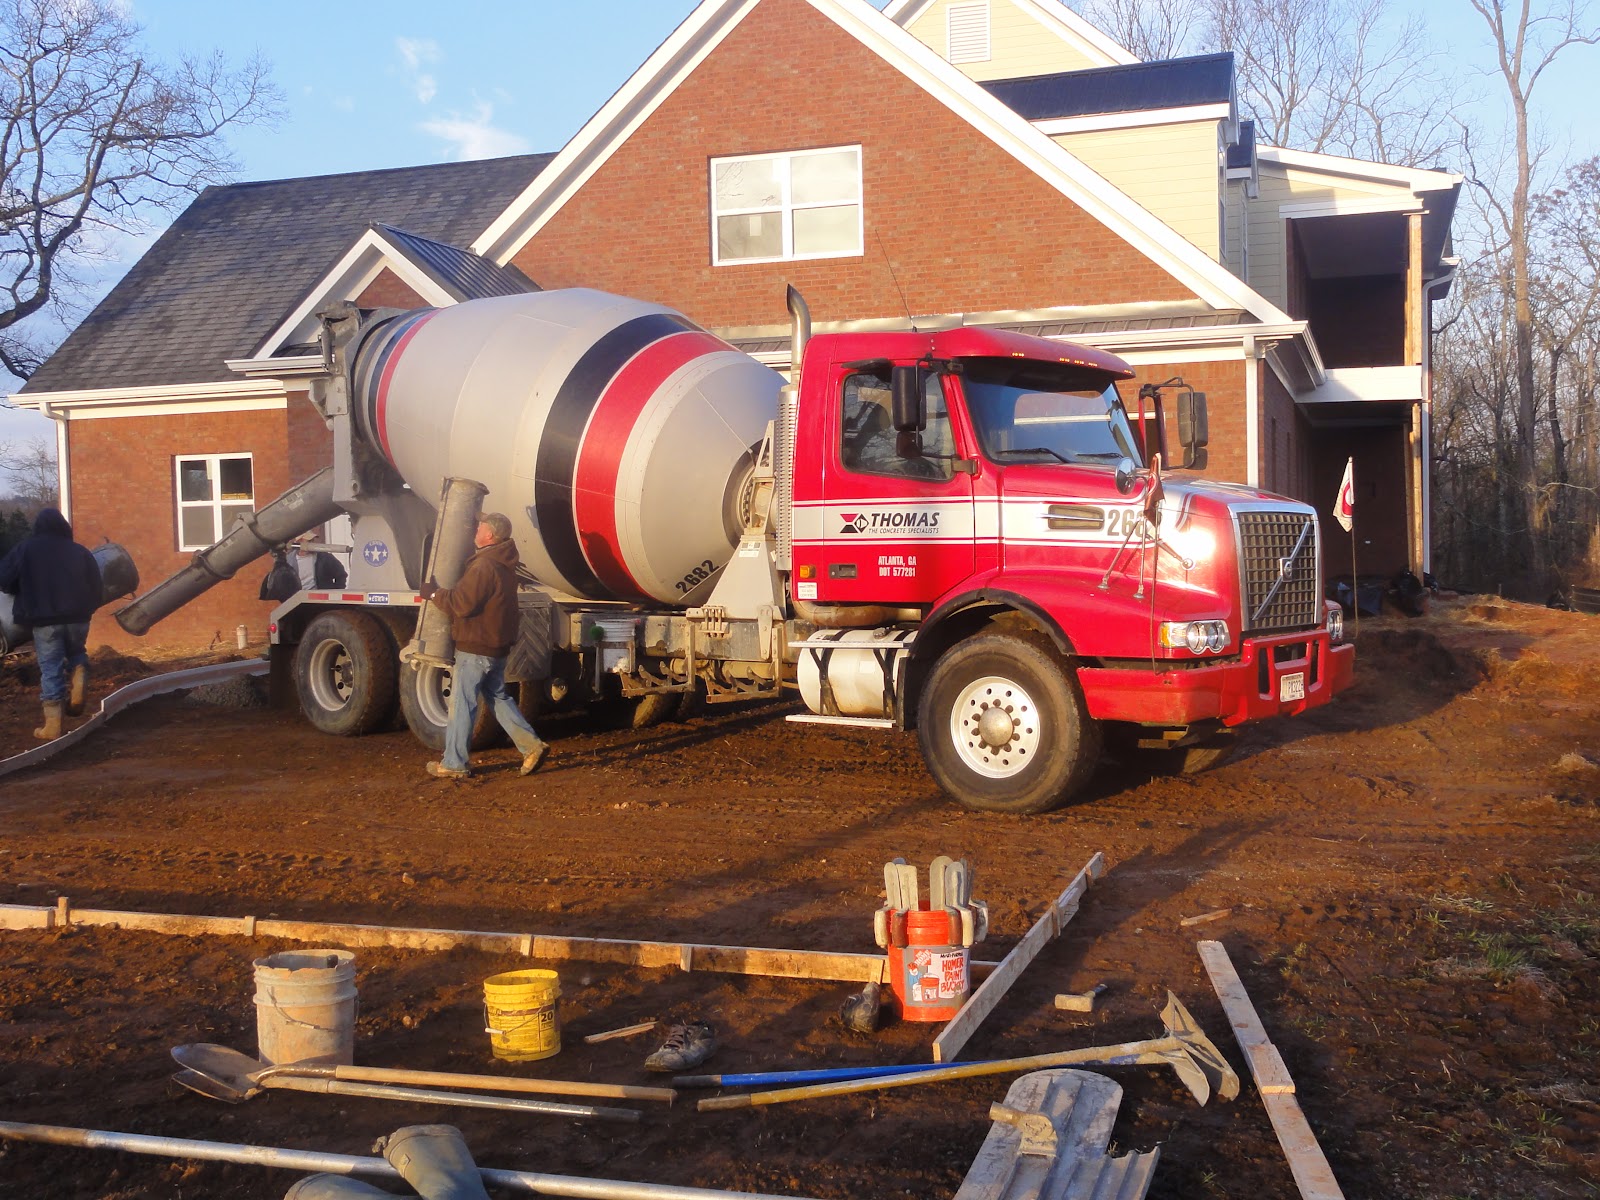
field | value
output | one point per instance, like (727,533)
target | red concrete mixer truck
(965,532)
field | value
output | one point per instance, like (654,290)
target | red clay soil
(1412,876)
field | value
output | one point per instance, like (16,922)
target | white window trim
(787,209)
(951,15)
(214,465)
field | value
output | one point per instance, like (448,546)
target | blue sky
(405,82)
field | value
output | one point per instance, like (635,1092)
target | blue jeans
(476,677)
(59,648)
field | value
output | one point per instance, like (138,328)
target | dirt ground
(1412,875)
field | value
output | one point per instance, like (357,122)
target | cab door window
(868,441)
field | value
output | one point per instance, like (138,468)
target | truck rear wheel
(344,673)
(425,704)
(1004,727)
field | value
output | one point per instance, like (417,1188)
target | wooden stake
(1312,1174)
(1045,930)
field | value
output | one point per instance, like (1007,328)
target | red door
(888,529)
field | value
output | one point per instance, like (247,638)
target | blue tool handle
(757,1078)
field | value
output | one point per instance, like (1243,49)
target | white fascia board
(1416,179)
(688,46)
(197,408)
(360,265)
(1073,29)
(224,393)
(1384,385)
(1344,206)
(1209,335)
(1113,208)
(1051,126)
(296,366)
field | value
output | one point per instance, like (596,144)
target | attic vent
(968,28)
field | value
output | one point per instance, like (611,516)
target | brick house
(998,162)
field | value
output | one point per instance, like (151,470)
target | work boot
(51,729)
(77,690)
(687,1045)
(439,771)
(530,763)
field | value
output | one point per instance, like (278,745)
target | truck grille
(1266,542)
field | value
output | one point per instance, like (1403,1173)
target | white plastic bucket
(306,1007)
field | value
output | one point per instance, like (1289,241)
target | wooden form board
(993,989)
(686,956)
(1312,1174)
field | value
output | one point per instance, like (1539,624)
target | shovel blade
(224,1064)
(1201,1050)
(205,1085)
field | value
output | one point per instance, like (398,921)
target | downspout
(1252,411)
(63,476)
(1425,420)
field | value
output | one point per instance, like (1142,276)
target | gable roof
(1135,87)
(1053,15)
(242,255)
(700,34)
(439,273)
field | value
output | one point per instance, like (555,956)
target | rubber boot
(51,729)
(77,690)
(434,1160)
(333,1187)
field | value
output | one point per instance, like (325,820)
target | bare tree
(1147,29)
(1337,77)
(1525,45)
(94,136)
(29,467)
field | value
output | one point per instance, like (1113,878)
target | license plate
(1292,687)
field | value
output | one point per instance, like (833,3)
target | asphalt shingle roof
(1135,87)
(238,260)
(467,275)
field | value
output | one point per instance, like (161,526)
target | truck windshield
(1041,412)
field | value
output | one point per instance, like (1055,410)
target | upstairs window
(213,490)
(780,207)
(967,28)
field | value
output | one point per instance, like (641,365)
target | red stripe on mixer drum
(392,358)
(594,482)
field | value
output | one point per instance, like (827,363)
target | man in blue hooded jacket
(57,587)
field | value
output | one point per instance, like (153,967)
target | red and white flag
(1344,508)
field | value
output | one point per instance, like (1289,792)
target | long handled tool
(1185,1049)
(231,1092)
(224,1062)
(350,1164)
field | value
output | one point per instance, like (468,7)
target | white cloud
(474,135)
(414,53)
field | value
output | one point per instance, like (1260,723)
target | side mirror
(907,409)
(1125,476)
(908,444)
(1193,428)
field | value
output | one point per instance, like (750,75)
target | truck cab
(990,506)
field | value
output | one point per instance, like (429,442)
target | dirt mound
(1418,656)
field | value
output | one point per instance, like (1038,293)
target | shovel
(224,1062)
(239,1089)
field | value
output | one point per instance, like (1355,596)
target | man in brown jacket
(483,620)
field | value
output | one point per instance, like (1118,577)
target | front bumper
(1261,682)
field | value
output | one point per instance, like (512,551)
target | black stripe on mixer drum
(563,434)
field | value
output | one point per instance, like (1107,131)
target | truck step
(818,719)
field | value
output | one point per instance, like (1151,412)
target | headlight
(1197,637)
(1336,624)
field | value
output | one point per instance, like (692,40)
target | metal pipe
(291,514)
(460,503)
(350,1164)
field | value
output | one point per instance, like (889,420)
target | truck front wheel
(344,673)
(1004,727)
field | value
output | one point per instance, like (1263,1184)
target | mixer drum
(616,434)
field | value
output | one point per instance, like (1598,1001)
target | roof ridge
(374,171)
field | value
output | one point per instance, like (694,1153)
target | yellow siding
(1172,170)
(1236,207)
(1285,185)
(1018,44)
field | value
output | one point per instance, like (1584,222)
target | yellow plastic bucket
(519,1014)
